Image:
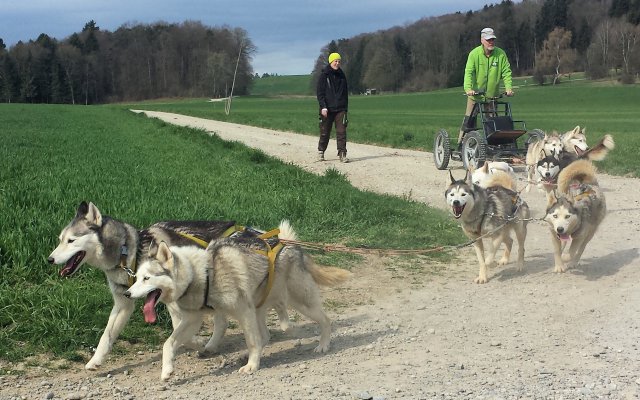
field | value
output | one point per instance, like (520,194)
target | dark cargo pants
(340,120)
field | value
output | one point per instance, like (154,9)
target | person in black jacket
(333,97)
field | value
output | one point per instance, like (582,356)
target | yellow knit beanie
(333,57)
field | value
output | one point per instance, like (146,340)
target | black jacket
(332,90)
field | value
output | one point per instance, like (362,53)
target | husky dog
(230,278)
(547,169)
(493,212)
(574,141)
(536,151)
(116,247)
(596,153)
(480,176)
(575,213)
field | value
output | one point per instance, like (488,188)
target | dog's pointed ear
(93,215)
(485,167)
(542,154)
(451,175)
(164,255)
(576,130)
(468,178)
(82,210)
(153,249)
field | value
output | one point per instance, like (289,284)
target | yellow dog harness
(271,253)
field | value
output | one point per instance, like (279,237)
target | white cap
(487,33)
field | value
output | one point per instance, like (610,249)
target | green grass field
(290,85)
(412,120)
(141,170)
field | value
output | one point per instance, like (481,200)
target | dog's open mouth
(149,308)
(457,210)
(564,237)
(548,181)
(578,150)
(72,265)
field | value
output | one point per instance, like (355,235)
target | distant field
(297,85)
(411,120)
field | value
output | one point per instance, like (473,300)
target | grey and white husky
(230,278)
(116,248)
(575,212)
(493,213)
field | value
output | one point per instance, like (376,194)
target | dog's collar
(131,271)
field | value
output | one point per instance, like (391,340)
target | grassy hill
(295,85)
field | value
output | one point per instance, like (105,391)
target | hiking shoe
(321,156)
(343,157)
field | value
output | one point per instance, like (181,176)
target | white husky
(231,279)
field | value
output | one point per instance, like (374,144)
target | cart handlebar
(482,93)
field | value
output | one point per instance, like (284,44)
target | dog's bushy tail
(326,276)
(286,231)
(601,149)
(500,178)
(323,276)
(580,171)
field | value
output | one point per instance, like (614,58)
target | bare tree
(628,36)
(70,60)
(556,55)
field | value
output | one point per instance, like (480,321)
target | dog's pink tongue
(149,309)
(564,237)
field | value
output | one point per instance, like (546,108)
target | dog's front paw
(560,268)
(322,348)
(166,373)
(248,369)
(284,325)
(480,279)
(92,365)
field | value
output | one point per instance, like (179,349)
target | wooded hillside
(133,63)
(542,38)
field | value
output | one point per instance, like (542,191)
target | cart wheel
(474,150)
(441,149)
(534,136)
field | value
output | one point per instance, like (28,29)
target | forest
(547,39)
(544,38)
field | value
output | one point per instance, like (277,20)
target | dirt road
(399,333)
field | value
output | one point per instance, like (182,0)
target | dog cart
(494,140)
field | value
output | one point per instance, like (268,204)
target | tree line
(135,62)
(544,38)
(547,39)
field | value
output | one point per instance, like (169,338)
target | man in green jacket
(486,66)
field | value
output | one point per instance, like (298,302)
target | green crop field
(412,120)
(290,85)
(141,170)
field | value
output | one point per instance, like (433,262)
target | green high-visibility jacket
(485,73)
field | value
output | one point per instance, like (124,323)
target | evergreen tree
(619,8)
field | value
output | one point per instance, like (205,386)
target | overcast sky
(288,34)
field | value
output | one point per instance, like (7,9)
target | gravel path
(402,332)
